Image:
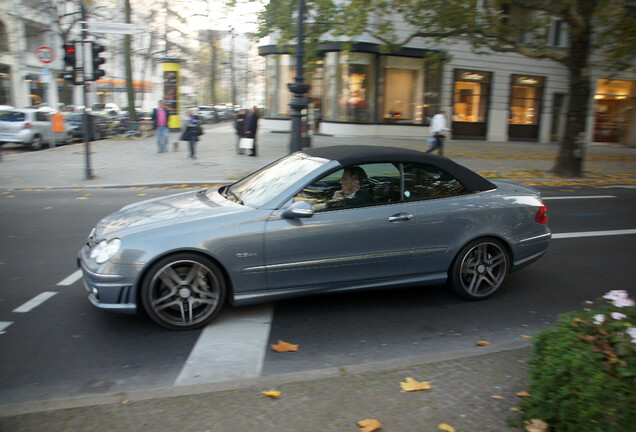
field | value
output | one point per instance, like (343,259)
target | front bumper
(112,292)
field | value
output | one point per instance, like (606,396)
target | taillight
(27,125)
(542,214)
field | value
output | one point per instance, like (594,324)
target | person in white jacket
(438,127)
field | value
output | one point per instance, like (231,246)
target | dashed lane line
(71,279)
(4,325)
(34,302)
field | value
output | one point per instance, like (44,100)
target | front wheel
(479,269)
(183,292)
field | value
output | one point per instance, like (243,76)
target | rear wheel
(479,269)
(183,291)
(36,143)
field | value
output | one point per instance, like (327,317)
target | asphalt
(472,389)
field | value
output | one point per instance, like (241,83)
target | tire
(36,143)
(183,292)
(479,269)
(68,139)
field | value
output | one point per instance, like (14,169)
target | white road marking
(579,197)
(35,302)
(4,325)
(593,233)
(71,279)
(233,346)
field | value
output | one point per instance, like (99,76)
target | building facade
(494,97)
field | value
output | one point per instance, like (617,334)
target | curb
(264,381)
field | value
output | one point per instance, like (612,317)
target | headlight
(105,250)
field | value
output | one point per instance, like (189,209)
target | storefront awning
(119,85)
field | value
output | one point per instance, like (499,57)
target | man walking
(251,127)
(160,124)
(438,128)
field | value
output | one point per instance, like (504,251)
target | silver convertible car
(318,221)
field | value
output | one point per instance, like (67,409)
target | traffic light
(96,50)
(69,62)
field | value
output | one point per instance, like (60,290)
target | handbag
(185,135)
(246,143)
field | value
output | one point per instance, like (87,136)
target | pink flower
(632,333)
(619,298)
(599,319)
(618,316)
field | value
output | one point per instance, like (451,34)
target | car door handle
(400,217)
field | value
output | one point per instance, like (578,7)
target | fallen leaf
(141,195)
(272,393)
(124,402)
(524,394)
(526,337)
(515,409)
(412,385)
(284,347)
(81,198)
(369,425)
(496,397)
(537,425)
(483,343)
(446,428)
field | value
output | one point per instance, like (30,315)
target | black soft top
(360,154)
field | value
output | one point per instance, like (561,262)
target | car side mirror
(299,209)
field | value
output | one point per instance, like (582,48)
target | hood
(170,210)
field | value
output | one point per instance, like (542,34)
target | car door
(444,212)
(346,245)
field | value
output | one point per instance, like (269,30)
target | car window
(41,116)
(354,186)
(422,182)
(271,181)
(12,116)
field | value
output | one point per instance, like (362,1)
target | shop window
(356,85)
(470,103)
(280,72)
(525,100)
(615,101)
(403,81)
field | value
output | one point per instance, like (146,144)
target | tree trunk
(129,79)
(569,162)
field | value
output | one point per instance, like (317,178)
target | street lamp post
(298,87)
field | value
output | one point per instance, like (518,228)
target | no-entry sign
(45,54)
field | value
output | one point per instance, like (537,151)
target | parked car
(100,125)
(207,114)
(31,127)
(289,229)
(107,108)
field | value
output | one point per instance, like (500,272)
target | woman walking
(192,132)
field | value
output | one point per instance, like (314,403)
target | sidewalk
(470,391)
(136,162)
(463,382)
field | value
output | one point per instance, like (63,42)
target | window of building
(356,90)
(403,81)
(281,70)
(525,100)
(615,101)
(470,96)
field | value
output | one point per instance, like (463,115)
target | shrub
(583,371)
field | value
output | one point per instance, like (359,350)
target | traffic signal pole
(86,54)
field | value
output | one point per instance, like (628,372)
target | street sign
(45,54)
(112,28)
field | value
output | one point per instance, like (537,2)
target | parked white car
(31,127)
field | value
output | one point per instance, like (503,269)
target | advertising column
(171,85)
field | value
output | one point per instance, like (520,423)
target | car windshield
(266,184)
(12,116)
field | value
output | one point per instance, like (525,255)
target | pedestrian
(192,132)
(438,127)
(160,125)
(251,127)
(239,125)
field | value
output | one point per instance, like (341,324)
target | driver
(351,194)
